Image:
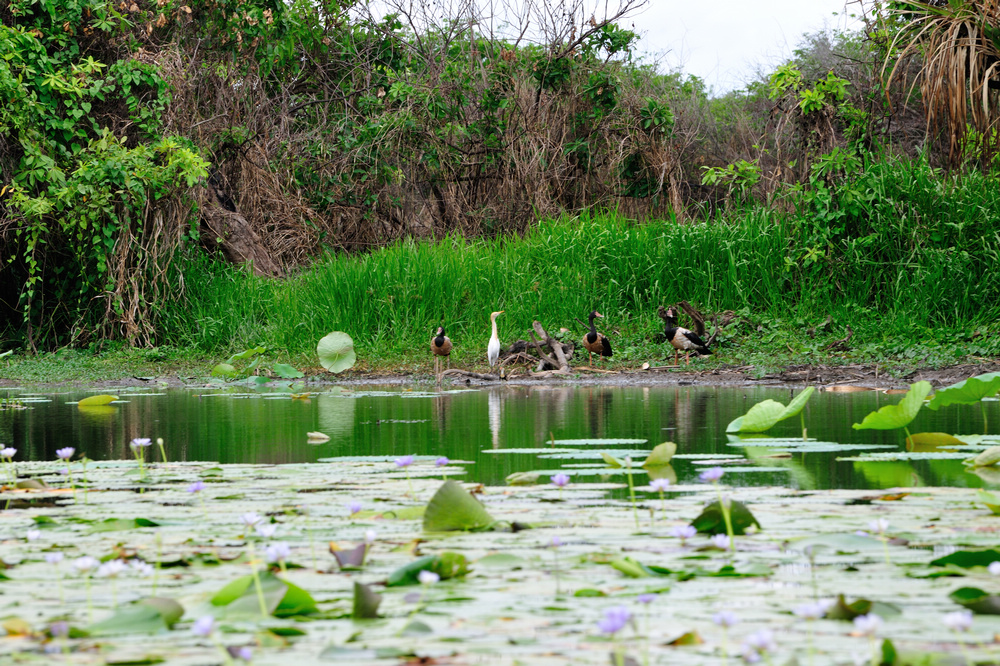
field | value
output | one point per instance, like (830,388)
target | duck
(596,343)
(681,338)
(440,346)
(493,349)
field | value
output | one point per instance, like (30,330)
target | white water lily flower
(960,620)
(428,577)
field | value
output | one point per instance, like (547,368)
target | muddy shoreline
(869,376)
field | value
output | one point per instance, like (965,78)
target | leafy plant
(968,392)
(899,415)
(766,414)
(336,352)
(452,508)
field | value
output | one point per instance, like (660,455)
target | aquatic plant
(336,352)
(139,446)
(7,453)
(899,415)
(404,463)
(659,485)
(869,625)
(765,414)
(879,526)
(968,392)
(631,489)
(554,543)
(712,475)
(559,481)
(615,619)
(725,620)
(442,461)
(452,508)
(960,622)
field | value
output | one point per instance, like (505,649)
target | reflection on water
(233,425)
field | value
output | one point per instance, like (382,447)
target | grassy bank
(912,266)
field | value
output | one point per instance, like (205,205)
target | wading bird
(441,346)
(596,343)
(681,338)
(493,349)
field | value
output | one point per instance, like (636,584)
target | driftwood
(455,372)
(697,317)
(557,347)
(224,229)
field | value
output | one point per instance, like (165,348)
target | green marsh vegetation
(813,193)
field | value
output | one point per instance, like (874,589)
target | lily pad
(976,600)
(452,508)
(286,371)
(446,565)
(148,616)
(281,598)
(366,602)
(660,455)
(97,400)
(899,415)
(711,520)
(966,392)
(765,414)
(336,352)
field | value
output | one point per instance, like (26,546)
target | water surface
(231,425)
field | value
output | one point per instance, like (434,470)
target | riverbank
(541,594)
(145,367)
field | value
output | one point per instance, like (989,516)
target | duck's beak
(598,314)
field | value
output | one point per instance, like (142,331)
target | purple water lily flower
(712,474)
(647,598)
(559,480)
(614,619)
(65,453)
(8,452)
(353,507)
(442,461)
(140,442)
(196,487)
(405,461)
(203,626)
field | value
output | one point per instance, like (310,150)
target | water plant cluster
(374,560)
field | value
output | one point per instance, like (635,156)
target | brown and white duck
(681,339)
(440,346)
(596,343)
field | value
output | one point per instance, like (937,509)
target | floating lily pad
(97,400)
(598,442)
(712,521)
(148,616)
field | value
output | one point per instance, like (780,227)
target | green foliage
(452,508)
(966,392)
(336,352)
(765,414)
(712,521)
(899,415)
(739,177)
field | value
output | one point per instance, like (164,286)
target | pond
(500,430)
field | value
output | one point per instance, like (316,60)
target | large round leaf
(967,392)
(766,413)
(336,352)
(897,416)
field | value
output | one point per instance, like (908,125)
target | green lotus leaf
(148,616)
(446,565)
(765,414)
(990,456)
(967,392)
(976,600)
(452,508)
(711,520)
(899,415)
(336,352)
(990,501)
(366,602)
(286,371)
(97,400)
(224,370)
(661,455)
(968,558)
(281,598)
(611,460)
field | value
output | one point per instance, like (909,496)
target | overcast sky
(723,41)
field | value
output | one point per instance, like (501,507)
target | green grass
(915,272)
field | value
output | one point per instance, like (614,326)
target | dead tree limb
(455,372)
(554,345)
(697,317)
(840,345)
(545,357)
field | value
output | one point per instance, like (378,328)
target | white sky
(724,41)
